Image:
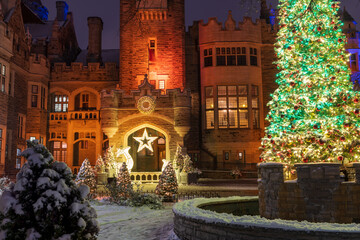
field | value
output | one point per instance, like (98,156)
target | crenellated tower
(152,41)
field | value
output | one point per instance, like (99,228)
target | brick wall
(169,34)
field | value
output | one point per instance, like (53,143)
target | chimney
(62,9)
(95,30)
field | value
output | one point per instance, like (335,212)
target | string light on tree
(145,141)
(314,114)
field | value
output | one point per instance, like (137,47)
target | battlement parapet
(91,72)
(215,31)
(118,98)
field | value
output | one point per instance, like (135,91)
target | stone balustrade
(145,177)
(317,195)
(75,115)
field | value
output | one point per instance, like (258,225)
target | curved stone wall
(191,222)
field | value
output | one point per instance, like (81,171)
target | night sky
(109,10)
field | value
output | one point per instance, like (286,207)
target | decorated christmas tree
(86,176)
(179,158)
(314,114)
(45,203)
(124,181)
(167,186)
(99,165)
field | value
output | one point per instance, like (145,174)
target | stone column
(271,180)
(319,182)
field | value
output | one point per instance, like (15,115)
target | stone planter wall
(192,222)
(317,195)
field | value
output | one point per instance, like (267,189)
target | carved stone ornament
(146,104)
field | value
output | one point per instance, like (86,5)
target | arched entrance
(148,147)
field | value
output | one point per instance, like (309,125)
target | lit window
(209,101)
(61,103)
(223,122)
(232,106)
(18,158)
(152,50)
(32,138)
(2,77)
(161,84)
(255,106)
(59,150)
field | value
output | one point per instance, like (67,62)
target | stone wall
(192,222)
(317,195)
(196,229)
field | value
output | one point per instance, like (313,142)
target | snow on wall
(192,222)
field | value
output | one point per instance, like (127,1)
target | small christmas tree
(99,165)
(45,203)
(179,158)
(86,176)
(188,164)
(124,181)
(167,186)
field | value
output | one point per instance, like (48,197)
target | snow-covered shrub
(4,184)
(86,176)
(45,203)
(127,196)
(138,198)
(116,193)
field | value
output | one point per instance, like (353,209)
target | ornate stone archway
(149,127)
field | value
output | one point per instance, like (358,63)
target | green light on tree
(314,114)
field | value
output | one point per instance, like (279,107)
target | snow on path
(127,223)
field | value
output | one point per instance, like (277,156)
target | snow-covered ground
(127,223)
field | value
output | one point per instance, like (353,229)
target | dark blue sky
(109,10)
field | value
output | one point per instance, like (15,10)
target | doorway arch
(163,138)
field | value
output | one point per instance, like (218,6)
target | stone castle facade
(205,89)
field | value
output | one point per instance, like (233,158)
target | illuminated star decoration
(145,141)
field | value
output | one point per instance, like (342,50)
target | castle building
(205,89)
